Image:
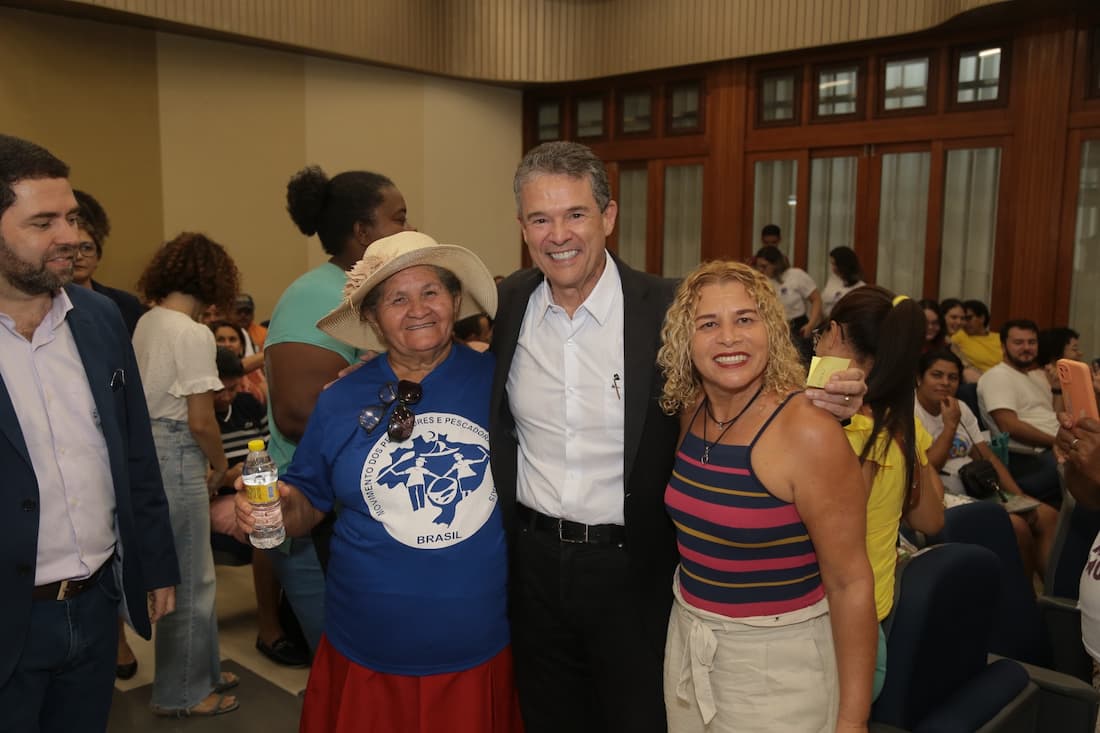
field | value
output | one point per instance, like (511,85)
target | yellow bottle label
(262,493)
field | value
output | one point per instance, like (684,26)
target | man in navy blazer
(84,525)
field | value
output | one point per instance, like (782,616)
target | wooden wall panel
(538,40)
(1024,284)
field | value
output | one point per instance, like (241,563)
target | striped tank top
(743,552)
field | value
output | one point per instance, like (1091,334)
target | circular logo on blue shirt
(435,489)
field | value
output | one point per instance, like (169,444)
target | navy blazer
(649,435)
(146,554)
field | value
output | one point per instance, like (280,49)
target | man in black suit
(581,455)
(84,528)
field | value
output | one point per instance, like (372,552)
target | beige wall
(450,146)
(468,171)
(232,130)
(175,133)
(88,92)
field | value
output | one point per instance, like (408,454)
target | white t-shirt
(1089,601)
(959,453)
(176,358)
(834,290)
(794,290)
(1004,388)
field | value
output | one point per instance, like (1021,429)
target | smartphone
(1077,391)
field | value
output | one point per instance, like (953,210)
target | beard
(29,278)
(1022,364)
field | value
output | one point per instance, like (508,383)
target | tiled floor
(236,606)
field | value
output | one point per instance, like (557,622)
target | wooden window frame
(1092,81)
(701,85)
(653,113)
(796,113)
(575,105)
(929,106)
(562,131)
(1003,85)
(860,65)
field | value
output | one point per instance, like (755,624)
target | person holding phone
(1077,445)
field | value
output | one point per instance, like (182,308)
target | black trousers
(582,658)
(1037,475)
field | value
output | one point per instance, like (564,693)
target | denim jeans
(299,572)
(66,673)
(187,660)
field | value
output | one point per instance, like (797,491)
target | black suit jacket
(649,440)
(146,554)
(128,304)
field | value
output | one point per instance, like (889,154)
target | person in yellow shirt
(883,335)
(979,349)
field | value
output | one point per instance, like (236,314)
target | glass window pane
(775,200)
(590,117)
(636,112)
(837,91)
(979,75)
(683,219)
(777,97)
(684,107)
(549,121)
(633,185)
(906,84)
(902,222)
(969,223)
(832,211)
(1084,304)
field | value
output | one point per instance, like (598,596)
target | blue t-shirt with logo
(417,580)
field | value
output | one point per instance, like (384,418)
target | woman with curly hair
(176,357)
(773,582)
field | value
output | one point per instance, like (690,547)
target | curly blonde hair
(192,264)
(683,386)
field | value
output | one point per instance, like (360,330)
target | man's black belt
(63,590)
(572,532)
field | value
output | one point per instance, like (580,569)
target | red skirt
(342,696)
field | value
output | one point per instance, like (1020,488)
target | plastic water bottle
(261,478)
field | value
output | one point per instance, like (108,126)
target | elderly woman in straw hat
(415,636)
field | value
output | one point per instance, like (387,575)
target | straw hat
(390,255)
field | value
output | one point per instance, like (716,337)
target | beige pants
(722,675)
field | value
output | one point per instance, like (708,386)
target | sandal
(222,704)
(227,681)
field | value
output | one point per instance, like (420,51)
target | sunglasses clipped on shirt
(402,419)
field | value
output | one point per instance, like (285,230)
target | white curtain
(1084,304)
(902,223)
(969,223)
(683,219)
(832,211)
(775,200)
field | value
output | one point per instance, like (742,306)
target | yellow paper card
(822,367)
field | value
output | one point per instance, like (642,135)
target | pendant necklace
(724,425)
